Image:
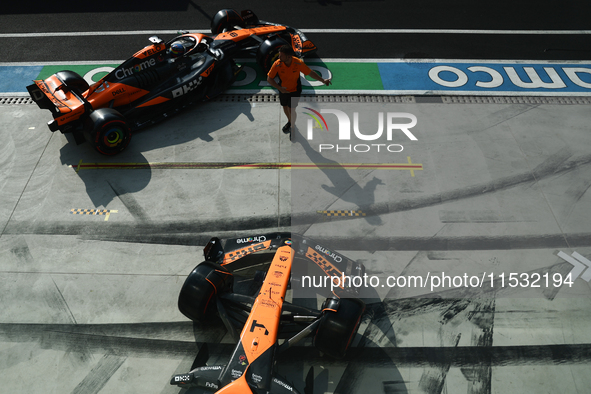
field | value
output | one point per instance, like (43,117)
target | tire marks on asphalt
(184,232)
(134,208)
(374,352)
(100,374)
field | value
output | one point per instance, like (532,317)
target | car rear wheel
(268,52)
(200,287)
(226,19)
(338,325)
(110,133)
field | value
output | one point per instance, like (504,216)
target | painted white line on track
(419,93)
(96,33)
(316,31)
(321,59)
(444,31)
(469,93)
(63,62)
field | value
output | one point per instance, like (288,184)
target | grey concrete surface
(89,305)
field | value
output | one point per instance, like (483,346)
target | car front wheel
(203,283)
(338,325)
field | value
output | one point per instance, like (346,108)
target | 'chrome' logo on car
(260,238)
(330,254)
(127,72)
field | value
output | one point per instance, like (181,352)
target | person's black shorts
(286,98)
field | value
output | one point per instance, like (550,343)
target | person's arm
(314,75)
(274,84)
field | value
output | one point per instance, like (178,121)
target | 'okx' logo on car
(186,88)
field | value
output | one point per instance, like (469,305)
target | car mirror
(155,40)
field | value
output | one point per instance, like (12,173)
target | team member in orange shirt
(288,68)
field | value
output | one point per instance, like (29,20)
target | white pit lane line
(305,31)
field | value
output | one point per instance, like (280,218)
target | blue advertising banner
(377,76)
(15,79)
(514,78)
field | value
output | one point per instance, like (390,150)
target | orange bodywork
(329,269)
(239,35)
(206,73)
(296,44)
(239,386)
(239,253)
(260,331)
(308,46)
(70,107)
(261,328)
(197,36)
(113,94)
(149,51)
(99,95)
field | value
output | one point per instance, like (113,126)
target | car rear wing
(249,25)
(238,253)
(299,42)
(301,45)
(65,104)
(39,96)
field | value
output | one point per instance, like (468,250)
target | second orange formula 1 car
(266,318)
(160,79)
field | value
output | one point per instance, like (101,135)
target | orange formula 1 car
(268,324)
(161,79)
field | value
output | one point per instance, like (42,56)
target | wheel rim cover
(113,136)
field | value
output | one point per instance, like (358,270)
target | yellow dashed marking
(342,212)
(106,212)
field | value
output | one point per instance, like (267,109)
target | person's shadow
(344,187)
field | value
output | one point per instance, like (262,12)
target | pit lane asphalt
(92,303)
(502,188)
(504,15)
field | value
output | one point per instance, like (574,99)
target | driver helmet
(177,49)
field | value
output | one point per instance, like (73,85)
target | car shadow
(129,172)
(198,121)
